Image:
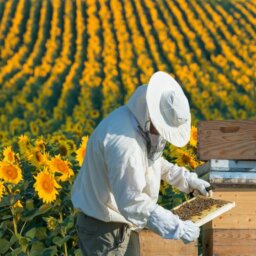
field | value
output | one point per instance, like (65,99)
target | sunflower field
(66,64)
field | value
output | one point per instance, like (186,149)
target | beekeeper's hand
(198,184)
(191,232)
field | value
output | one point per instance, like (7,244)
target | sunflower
(10,172)
(94,113)
(51,223)
(46,186)
(186,158)
(80,153)
(34,128)
(78,129)
(23,125)
(193,136)
(42,112)
(14,125)
(23,144)
(40,143)
(9,155)
(72,145)
(183,157)
(58,165)
(37,158)
(2,190)
(64,148)
(23,139)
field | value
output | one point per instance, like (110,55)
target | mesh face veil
(155,143)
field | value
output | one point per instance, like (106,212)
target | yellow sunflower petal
(9,155)
(2,190)
(193,136)
(18,204)
(80,153)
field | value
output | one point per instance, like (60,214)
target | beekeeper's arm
(126,174)
(182,179)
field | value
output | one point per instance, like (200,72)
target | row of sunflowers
(70,62)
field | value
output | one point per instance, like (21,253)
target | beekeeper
(117,188)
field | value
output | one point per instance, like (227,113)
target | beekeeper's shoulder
(119,130)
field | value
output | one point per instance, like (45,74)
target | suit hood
(138,106)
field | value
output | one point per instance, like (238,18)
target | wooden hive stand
(230,148)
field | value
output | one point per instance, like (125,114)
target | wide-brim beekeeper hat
(169,109)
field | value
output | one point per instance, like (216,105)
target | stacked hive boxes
(230,148)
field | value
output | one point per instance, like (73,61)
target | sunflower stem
(63,233)
(15,226)
(14,221)
(65,249)
(23,227)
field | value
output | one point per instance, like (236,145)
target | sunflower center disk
(11,172)
(48,186)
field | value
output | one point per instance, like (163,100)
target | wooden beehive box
(233,233)
(227,140)
(152,244)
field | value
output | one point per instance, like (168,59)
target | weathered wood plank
(227,140)
(234,250)
(234,236)
(236,222)
(152,244)
(229,242)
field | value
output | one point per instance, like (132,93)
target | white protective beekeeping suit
(118,182)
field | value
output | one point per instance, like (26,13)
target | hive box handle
(230,129)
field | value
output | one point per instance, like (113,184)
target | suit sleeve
(176,176)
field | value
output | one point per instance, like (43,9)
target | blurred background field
(64,65)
